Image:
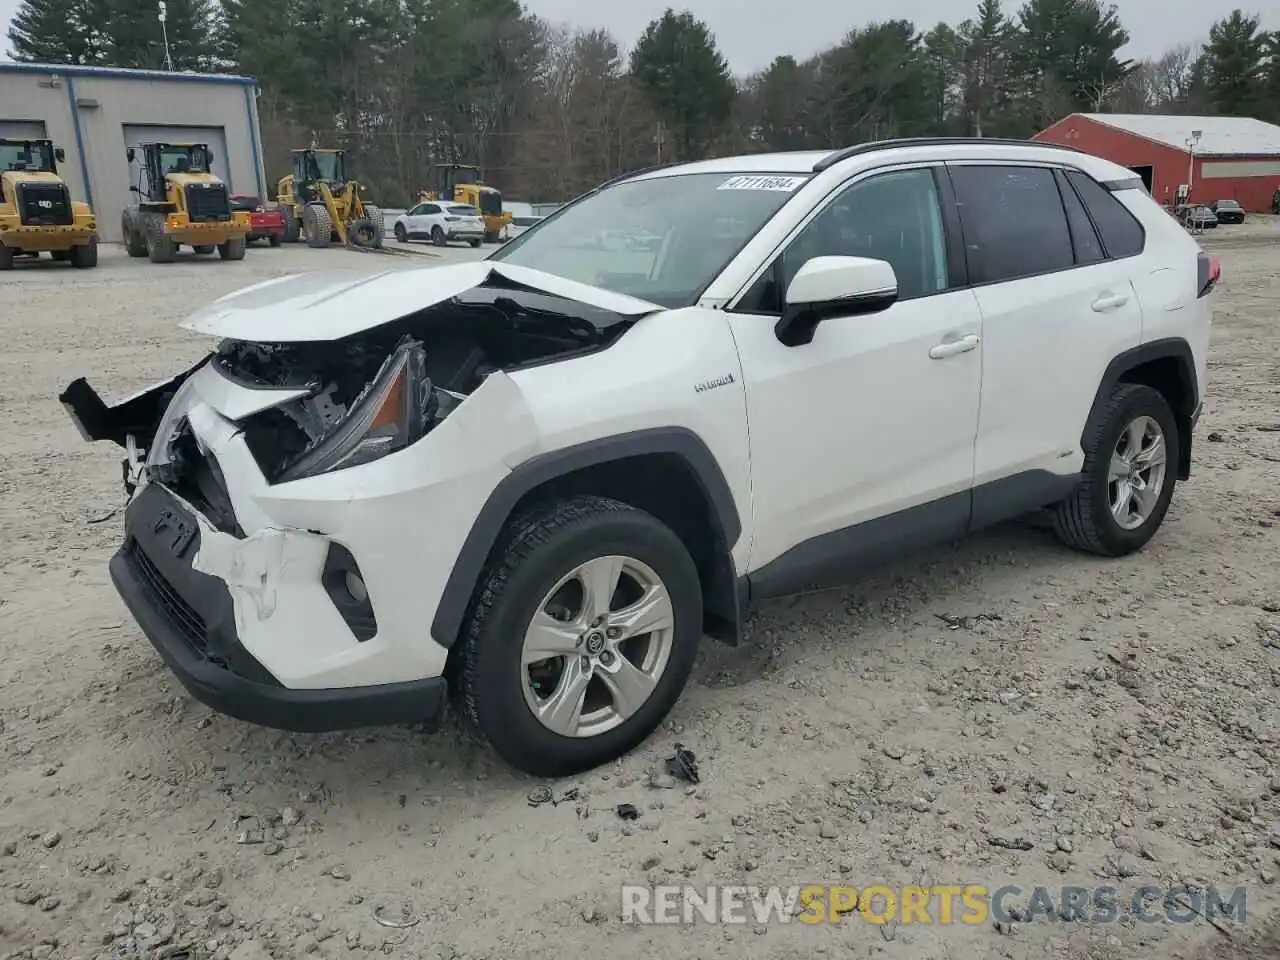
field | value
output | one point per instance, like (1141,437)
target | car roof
(879,153)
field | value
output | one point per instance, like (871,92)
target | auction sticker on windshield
(780,184)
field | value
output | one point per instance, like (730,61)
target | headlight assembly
(392,413)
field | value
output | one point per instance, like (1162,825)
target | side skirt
(838,557)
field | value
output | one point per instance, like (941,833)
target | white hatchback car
(441,223)
(537,481)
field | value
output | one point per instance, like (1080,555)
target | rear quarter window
(1122,235)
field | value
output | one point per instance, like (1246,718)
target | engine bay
(450,349)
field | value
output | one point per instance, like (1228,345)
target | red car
(268,224)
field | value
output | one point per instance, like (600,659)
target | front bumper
(44,238)
(190,619)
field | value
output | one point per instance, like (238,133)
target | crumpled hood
(315,307)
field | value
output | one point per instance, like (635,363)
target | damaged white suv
(537,481)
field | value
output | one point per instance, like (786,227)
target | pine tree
(686,80)
(61,31)
(1235,64)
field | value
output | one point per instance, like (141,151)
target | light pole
(164,29)
(1192,142)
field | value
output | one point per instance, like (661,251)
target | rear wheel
(292,228)
(160,248)
(6,257)
(135,243)
(1130,468)
(60,255)
(492,236)
(474,243)
(204,248)
(85,255)
(232,249)
(317,224)
(274,240)
(438,237)
(581,635)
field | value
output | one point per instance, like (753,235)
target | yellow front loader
(461,184)
(321,205)
(180,202)
(37,214)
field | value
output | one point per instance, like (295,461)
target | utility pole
(659,139)
(1192,142)
(164,29)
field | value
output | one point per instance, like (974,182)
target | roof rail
(857,150)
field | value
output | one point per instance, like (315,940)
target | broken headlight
(389,415)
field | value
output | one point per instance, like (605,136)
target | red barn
(1220,158)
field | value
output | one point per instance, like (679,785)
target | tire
(204,248)
(540,550)
(492,236)
(135,244)
(232,249)
(438,237)
(1085,521)
(317,224)
(60,255)
(363,233)
(6,257)
(474,243)
(402,235)
(160,248)
(84,256)
(375,216)
(274,240)
(292,228)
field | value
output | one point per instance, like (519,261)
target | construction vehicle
(37,213)
(321,205)
(461,184)
(180,202)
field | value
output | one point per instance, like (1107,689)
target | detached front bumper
(190,619)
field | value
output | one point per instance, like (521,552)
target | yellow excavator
(37,213)
(321,205)
(461,184)
(180,202)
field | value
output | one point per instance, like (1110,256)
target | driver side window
(890,216)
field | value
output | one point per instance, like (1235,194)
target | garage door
(22,130)
(135,134)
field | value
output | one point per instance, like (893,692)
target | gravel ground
(999,712)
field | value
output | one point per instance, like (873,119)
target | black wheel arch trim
(451,611)
(1175,348)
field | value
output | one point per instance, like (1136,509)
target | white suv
(537,481)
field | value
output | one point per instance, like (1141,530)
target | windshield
(34,155)
(183,160)
(1228,203)
(324,166)
(662,239)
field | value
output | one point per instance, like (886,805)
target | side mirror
(834,287)
(208,155)
(129,154)
(134,189)
(59,154)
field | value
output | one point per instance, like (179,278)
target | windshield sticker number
(776,184)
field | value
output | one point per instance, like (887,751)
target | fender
(446,625)
(1186,414)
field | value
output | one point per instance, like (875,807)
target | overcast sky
(752,32)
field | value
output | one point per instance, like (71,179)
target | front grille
(180,613)
(208,203)
(45,204)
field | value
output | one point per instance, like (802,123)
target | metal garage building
(95,113)
(1220,158)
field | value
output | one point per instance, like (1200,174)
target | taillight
(1209,273)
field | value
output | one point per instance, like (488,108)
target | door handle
(952,348)
(1109,301)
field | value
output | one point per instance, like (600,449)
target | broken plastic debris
(539,795)
(683,765)
(628,811)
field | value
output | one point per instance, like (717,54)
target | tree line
(547,111)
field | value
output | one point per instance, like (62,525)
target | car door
(1056,308)
(864,437)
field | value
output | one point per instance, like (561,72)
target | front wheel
(1130,468)
(581,636)
(402,235)
(84,256)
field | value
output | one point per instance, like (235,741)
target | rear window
(464,210)
(245,203)
(1122,235)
